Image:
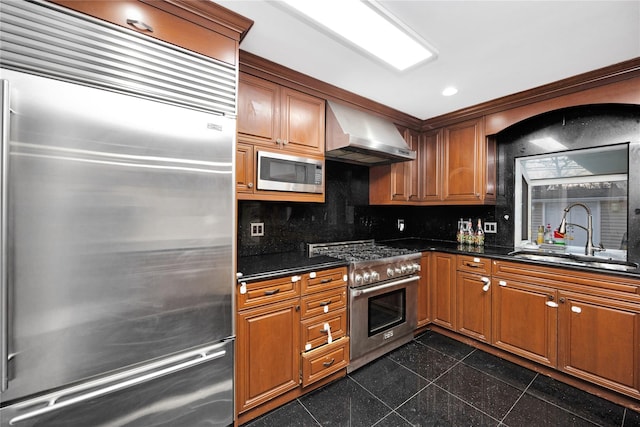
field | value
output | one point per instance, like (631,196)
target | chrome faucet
(589,248)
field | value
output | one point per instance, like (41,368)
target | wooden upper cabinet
(245,168)
(302,122)
(431,166)
(400,181)
(455,165)
(198,25)
(465,160)
(258,110)
(278,117)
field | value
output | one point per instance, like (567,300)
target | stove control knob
(390,272)
(358,279)
(367,277)
(375,276)
(416,266)
(404,269)
(398,270)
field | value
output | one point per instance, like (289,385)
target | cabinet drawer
(327,279)
(474,264)
(323,302)
(314,333)
(325,361)
(268,291)
(159,24)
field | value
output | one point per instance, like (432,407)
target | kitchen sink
(574,259)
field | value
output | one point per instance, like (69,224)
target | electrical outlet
(257,229)
(491,227)
(401,224)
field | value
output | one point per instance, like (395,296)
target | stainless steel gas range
(383,291)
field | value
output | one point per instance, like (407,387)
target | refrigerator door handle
(65,398)
(5,117)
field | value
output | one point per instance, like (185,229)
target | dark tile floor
(437,381)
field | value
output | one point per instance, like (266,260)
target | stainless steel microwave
(284,172)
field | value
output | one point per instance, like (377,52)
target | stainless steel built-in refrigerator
(117,226)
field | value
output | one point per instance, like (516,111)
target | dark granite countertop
(497,252)
(271,266)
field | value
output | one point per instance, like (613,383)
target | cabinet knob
(139,25)
(250,185)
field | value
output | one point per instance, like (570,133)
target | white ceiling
(488,49)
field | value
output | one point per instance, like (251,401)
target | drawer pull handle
(273,292)
(329,363)
(139,25)
(326,280)
(322,304)
(471,264)
(324,331)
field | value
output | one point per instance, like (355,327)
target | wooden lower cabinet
(325,360)
(581,323)
(443,294)
(267,353)
(424,299)
(291,337)
(523,323)
(473,311)
(599,340)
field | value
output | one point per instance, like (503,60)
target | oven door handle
(358,292)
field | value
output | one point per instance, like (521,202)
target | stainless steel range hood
(357,137)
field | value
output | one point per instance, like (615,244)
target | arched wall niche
(573,128)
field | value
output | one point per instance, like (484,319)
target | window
(596,177)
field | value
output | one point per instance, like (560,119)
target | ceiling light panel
(370,27)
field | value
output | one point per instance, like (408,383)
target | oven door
(381,314)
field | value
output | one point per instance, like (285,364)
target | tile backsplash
(346,214)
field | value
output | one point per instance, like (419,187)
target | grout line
(467,403)
(554,404)
(308,412)
(519,397)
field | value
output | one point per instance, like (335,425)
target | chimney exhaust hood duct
(354,136)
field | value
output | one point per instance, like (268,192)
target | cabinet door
(473,297)
(302,123)
(600,340)
(413,170)
(424,312)
(464,166)
(268,353)
(245,176)
(258,110)
(524,318)
(431,166)
(443,282)
(153,22)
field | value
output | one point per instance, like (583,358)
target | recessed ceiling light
(449,91)
(368,26)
